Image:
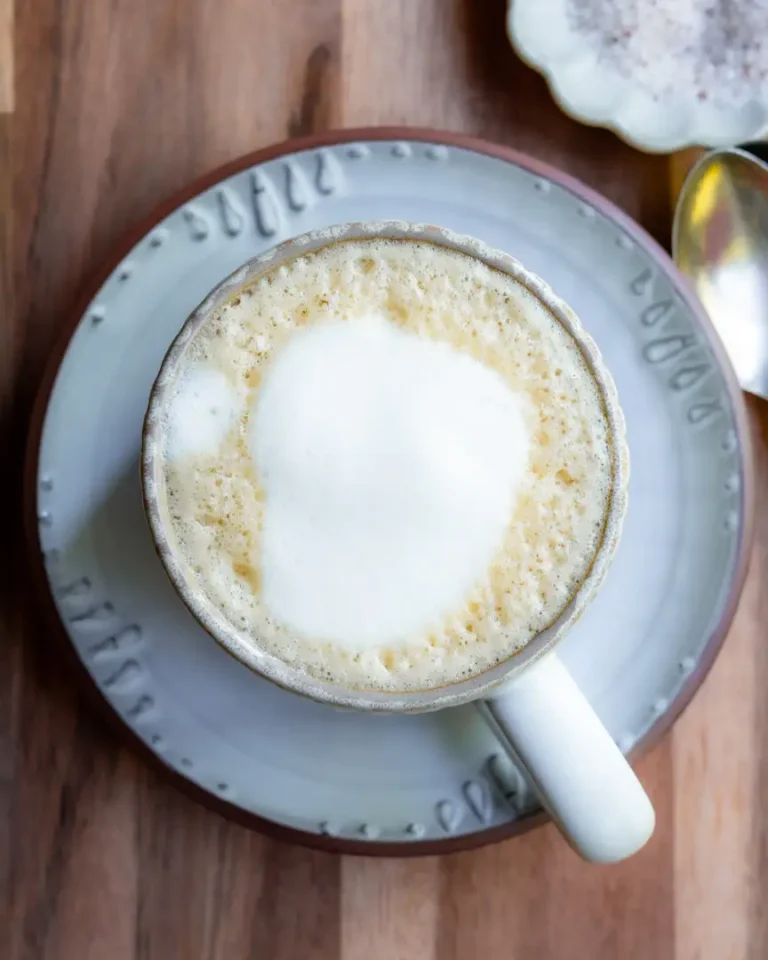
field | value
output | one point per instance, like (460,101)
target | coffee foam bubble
(413,472)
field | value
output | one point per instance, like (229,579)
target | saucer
(388,784)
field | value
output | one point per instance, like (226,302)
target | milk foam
(204,409)
(387,493)
(407,470)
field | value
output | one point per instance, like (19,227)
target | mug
(533,704)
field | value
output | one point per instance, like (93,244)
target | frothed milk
(387,464)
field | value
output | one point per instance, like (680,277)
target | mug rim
(236,642)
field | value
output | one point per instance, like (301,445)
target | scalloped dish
(590,84)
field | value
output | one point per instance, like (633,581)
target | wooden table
(106,109)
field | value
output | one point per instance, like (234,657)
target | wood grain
(105,109)
(6,56)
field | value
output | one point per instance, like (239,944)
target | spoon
(720,241)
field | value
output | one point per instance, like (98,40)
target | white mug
(530,699)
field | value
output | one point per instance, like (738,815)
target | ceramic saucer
(389,783)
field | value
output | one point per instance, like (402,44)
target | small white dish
(594,93)
(424,783)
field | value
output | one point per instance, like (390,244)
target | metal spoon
(720,241)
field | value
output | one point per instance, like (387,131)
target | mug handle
(583,779)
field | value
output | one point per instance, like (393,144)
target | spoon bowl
(720,241)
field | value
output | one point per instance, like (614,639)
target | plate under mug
(357,782)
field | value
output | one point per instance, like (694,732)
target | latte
(386,464)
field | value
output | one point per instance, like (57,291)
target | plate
(596,94)
(389,784)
